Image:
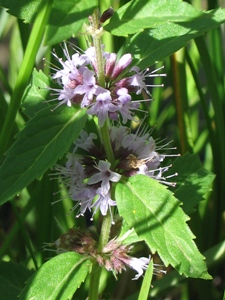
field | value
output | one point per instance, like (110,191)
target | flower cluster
(99,160)
(113,257)
(78,80)
(89,177)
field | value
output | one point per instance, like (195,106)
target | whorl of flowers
(104,84)
(78,81)
(89,176)
(114,256)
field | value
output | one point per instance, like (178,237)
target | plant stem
(98,50)
(94,282)
(101,81)
(107,143)
(105,231)
(96,270)
(104,130)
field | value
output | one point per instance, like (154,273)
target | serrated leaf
(38,146)
(58,278)
(156,216)
(24,9)
(155,44)
(36,94)
(138,15)
(192,182)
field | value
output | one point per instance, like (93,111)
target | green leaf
(214,257)
(36,94)
(137,15)
(58,278)
(8,290)
(39,145)
(192,182)
(154,212)
(155,44)
(24,9)
(12,279)
(127,235)
(146,284)
(66,20)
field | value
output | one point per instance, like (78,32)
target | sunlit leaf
(155,44)
(156,216)
(24,9)
(58,278)
(66,19)
(135,16)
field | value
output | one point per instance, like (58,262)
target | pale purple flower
(102,107)
(70,66)
(90,55)
(85,199)
(103,202)
(137,80)
(78,78)
(110,64)
(88,88)
(125,105)
(66,95)
(105,175)
(85,141)
(122,63)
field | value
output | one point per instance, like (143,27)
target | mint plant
(88,156)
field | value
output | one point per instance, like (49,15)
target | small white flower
(139,265)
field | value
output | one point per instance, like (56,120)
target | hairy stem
(98,50)
(107,143)
(104,130)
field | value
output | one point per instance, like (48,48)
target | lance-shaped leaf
(135,16)
(65,20)
(58,278)
(155,44)
(39,145)
(146,284)
(155,214)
